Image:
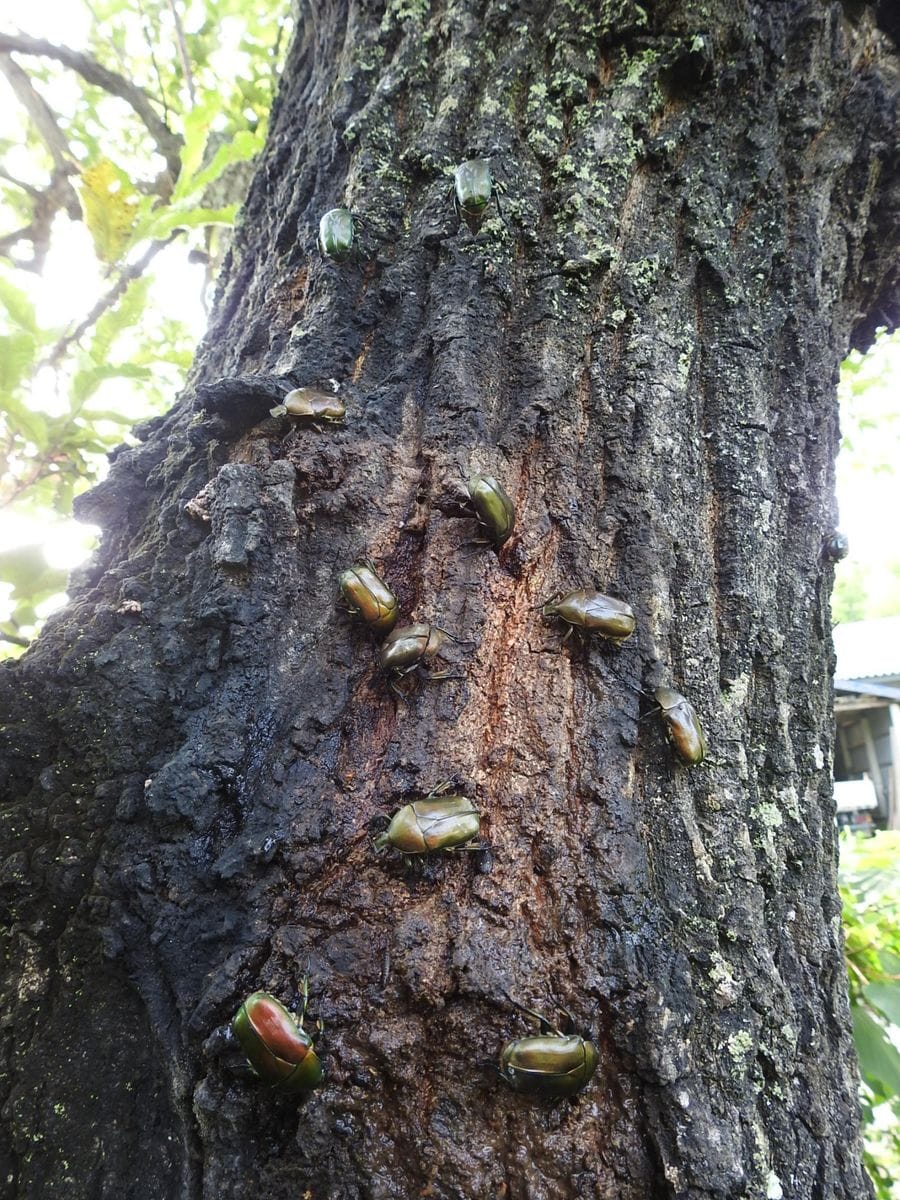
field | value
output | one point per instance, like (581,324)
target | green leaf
(878,1058)
(109,203)
(109,414)
(125,315)
(242,147)
(87,381)
(885,996)
(18,352)
(178,358)
(196,132)
(164,220)
(22,422)
(19,307)
(27,570)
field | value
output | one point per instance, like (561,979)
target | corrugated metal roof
(868,649)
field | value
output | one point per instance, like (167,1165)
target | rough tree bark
(701,215)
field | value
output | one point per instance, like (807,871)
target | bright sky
(868,471)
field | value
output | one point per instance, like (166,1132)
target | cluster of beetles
(551,1063)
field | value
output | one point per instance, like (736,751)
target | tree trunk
(701,214)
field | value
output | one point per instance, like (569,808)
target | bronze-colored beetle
(493,507)
(410,647)
(593,612)
(278,1048)
(369,597)
(682,726)
(549,1064)
(436,823)
(312,404)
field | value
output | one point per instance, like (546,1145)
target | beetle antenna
(458,640)
(620,678)
(569,1018)
(544,1023)
(651,713)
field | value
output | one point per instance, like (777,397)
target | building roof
(868,649)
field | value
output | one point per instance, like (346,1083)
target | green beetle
(549,1064)
(494,509)
(435,823)
(412,646)
(593,612)
(837,546)
(337,231)
(278,1048)
(369,597)
(683,728)
(473,190)
(311,404)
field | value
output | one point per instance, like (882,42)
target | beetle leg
(304,998)
(568,633)
(440,788)
(396,690)
(497,190)
(545,1025)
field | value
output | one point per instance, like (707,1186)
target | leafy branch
(127,276)
(69,391)
(168,143)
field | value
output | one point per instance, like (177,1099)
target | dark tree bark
(701,216)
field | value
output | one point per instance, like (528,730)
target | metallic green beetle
(837,546)
(473,190)
(278,1048)
(493,507)
(683,728)
(435,823)
(336,234)
(595,613)
(410,647)
(550,1064)
(311,404)
(369,597)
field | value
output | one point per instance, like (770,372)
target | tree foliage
(870,888)
(142,137)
